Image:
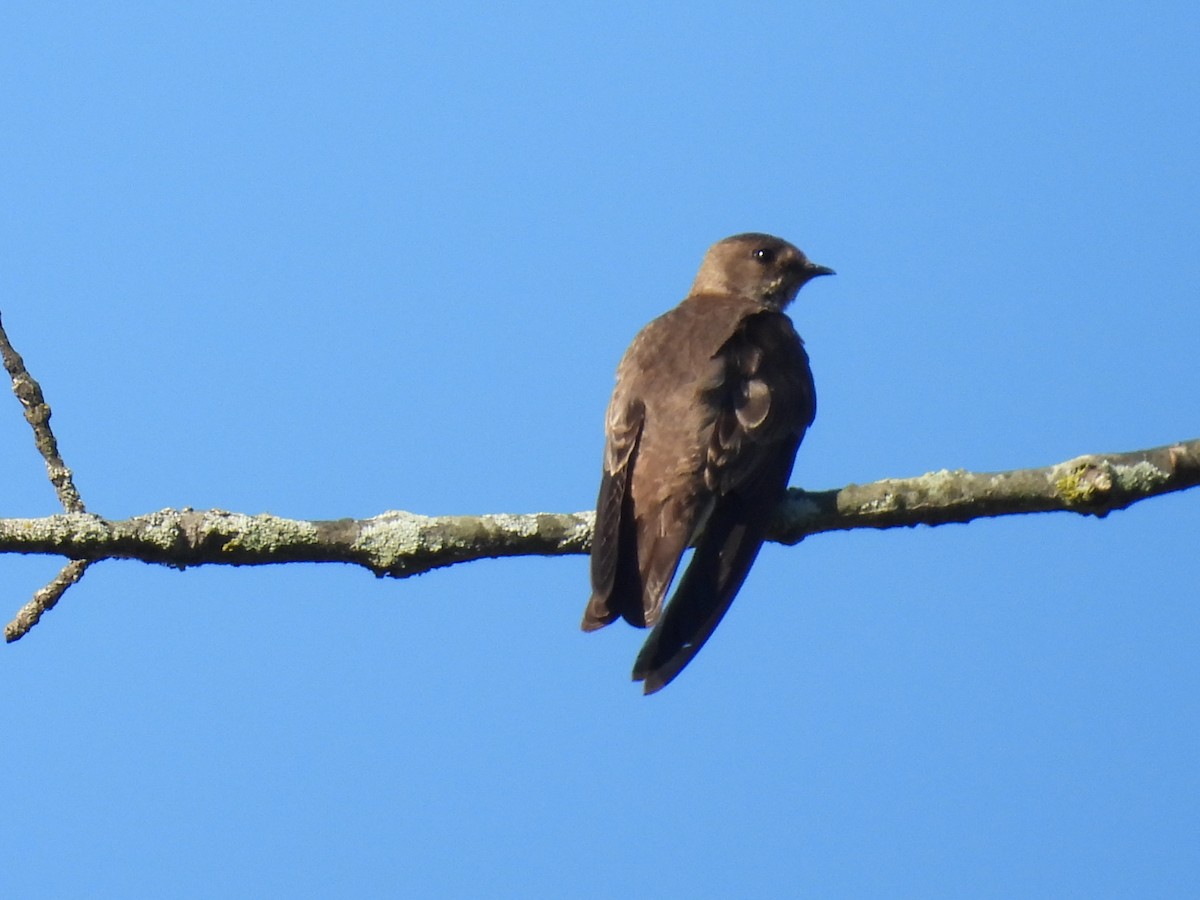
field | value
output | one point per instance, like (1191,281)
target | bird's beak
(813,270)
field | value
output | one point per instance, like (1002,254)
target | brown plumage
(711,403)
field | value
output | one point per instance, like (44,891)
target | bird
(712,400)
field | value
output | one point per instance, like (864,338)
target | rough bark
(400,544)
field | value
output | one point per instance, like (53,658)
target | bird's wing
(764,404)
(614,552)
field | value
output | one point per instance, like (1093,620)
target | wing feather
(614,562)
(764,402)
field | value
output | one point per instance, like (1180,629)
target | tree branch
(1094,485)
(44,600)
(399,544)
(37,414)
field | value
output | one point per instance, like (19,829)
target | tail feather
(723,556)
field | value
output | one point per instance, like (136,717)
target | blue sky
(342,258)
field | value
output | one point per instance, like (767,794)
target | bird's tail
(726,550)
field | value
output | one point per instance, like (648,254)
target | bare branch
(396,544)
(400,544)
(37,414)
(1094,485)
(44,600)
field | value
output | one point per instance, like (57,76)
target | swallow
(711,403)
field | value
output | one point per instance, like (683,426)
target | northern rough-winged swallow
(711,403)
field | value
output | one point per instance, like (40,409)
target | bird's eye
(765,255)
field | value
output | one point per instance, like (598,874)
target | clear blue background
(324,260)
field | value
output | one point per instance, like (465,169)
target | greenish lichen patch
(390,536)
(83,527)
(263,533)
(1140,477)
(161,528)
(1083,483)
(511,523)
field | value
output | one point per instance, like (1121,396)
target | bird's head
(756,266)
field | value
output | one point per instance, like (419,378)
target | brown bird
(711,403)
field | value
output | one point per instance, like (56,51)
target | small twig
(44,600)
(37,414)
